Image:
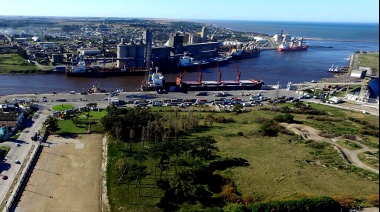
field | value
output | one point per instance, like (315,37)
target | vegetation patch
(349,144)
(164,159)
(370,158)
(62,107)
(4,151)
(13,64)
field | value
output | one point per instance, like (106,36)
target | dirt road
(67,176)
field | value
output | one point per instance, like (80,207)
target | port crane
(219,73)
(237,72)
(200,74)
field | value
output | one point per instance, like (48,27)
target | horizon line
(186,19)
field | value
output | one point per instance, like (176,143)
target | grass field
(62,107)
(280,167)
(370,60)
(13,63)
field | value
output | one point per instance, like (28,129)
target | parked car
(17,162)
(202,93)
(4,177)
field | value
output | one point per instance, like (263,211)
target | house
(9,121)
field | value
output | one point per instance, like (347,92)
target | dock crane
(237,72)
(179,79)
(200,74)
(219,73)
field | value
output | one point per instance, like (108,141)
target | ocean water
(271,66)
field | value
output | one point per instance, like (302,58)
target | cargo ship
(237,54)
(83,69)
(294,45)
(219,85)
(187,63)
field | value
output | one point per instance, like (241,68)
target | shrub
(270,128)
(229,193)
(373,200)
(345,200)
(249,199)
(261,119)
(288,118)
(222,119)
(303,204)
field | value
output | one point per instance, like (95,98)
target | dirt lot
(67,176)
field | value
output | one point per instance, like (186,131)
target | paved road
(21,153)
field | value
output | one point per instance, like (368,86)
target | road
(21,153)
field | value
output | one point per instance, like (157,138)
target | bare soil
(67,176)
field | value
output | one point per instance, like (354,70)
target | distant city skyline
(364,11)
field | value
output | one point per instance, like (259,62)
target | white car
(18,144)
(17,162)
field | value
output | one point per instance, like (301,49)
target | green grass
(6,149)
(62,107)
(13,63)
(123,197)
(349,145)
(370,60)
(68,126)
(279,167)
(370,158)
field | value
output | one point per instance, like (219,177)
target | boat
(294,45)
(85,69)
(219,85)
(189,63)
(153,81)
(237,54)
(335,70)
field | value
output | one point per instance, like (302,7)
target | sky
(358,11)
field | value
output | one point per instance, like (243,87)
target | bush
(261,119)
(288,118)
(229,193)
(303,204)
(345,200)
(373,200)
(222,119)
(270,128)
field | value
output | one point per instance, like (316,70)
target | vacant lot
(67,176)
(13,63)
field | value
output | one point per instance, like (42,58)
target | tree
(51,123)
(118,136)
(210,118)
(22,53)
(92,105)
(131,138)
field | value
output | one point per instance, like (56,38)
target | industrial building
(135,54)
